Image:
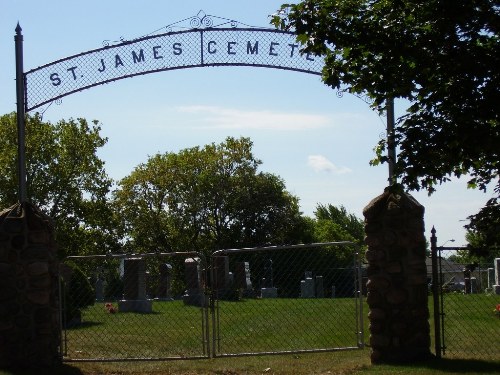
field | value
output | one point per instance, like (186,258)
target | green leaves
(65,178)
(441,57)
(205,199)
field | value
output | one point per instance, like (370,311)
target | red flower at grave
(497,310)
(111,309)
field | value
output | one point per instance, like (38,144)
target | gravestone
(222,277)
(268,290)
(134,290)
(242,279)
(474,285)
(496,286)
(307,286)
(320,291)
(194,294)
(99,286)
(99,289)
(491,278)
(163,293)
(333,291)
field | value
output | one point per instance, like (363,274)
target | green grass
(286,324)
(176,330)
(472,339)
(172,329)
(268,325)
(471,328)
(351,362)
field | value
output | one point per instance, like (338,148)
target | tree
(440,56)
(343,226)
(333,224)
(478,250)
(65,179)
(205,199)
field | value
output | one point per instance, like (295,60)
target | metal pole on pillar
(21,118)
(435,294)
(391,143)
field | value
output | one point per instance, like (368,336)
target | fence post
(435,293)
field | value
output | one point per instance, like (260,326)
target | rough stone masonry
(29,318)
(397,278)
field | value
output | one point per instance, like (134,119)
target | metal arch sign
(255,47)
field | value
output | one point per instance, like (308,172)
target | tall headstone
(29,295)
(320,289)
(194,294)
(99,289)
(397,278)
(163,293)
(268,290)
(496,286)
(491,278)
(134,289)
(222,278)
(242,280)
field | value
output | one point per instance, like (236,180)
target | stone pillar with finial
(397,278)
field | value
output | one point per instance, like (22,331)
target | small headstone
(269,292)
(333,291)
(307,286)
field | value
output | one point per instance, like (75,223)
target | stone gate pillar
(29,315)
(397,278)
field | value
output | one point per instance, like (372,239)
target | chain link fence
(287,299)
(238,302)
(469,321)
(136,306)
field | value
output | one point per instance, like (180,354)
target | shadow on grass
(83,325)
(62,369)
(461,366)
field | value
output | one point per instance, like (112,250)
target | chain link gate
(164,306)
(465,322)
(287,299)
(144,307)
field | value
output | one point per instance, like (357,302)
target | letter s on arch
(56,81)
(177,48)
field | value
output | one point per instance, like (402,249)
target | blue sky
(318,143)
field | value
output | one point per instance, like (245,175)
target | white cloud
(319,164)
(228,118)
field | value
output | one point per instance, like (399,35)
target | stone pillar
(397,278)
(29,295)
